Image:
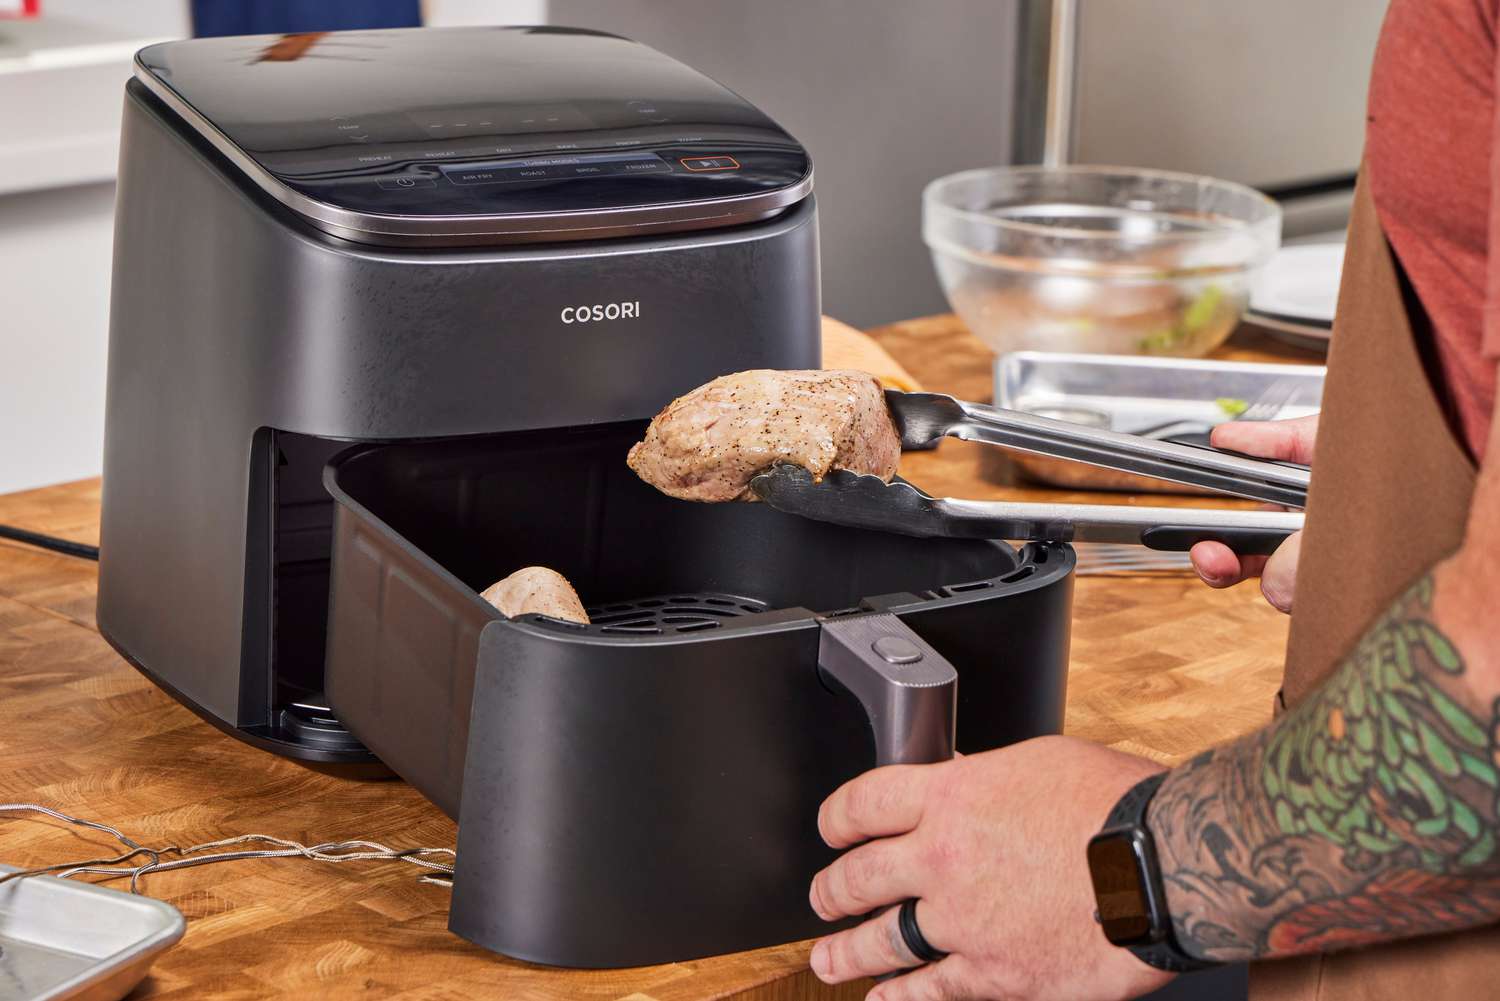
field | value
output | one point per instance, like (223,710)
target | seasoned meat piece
(539,590)
(709,444)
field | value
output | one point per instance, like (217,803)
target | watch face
(1121,891)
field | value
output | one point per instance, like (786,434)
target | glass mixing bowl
(1097,259)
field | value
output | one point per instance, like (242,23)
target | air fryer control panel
(473,121)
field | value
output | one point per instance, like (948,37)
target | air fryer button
(701,163)
(395,184)
(506,174)
(896,650)
(642,166)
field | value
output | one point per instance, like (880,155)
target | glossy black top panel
(454,122)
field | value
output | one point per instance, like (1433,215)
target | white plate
(1308,336)
(1300,283)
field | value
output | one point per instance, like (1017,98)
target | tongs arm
(1249,533)
(863,501)
(925,417)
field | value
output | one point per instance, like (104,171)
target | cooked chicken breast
(709,444)
(536,590)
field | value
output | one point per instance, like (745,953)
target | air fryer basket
(645,788)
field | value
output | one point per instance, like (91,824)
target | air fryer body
(247,347)
(366,357)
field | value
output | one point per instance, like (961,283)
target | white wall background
(60,86)
(54,298)
(1264,93)
(484,12)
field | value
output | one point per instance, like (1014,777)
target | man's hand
(1289,441)
(993,846)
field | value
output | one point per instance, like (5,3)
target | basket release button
(896,650)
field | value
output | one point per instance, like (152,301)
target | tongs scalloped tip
(856,500)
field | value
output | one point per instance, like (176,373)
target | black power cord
(65,546)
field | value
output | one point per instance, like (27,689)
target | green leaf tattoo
(1388,696)
(1370,812)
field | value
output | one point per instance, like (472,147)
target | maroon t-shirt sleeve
(1489,345)
(1432,149)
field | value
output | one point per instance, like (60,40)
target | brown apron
(1390,498)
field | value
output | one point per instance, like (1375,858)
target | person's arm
(1371,811)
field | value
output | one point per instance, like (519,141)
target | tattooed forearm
(1370,812)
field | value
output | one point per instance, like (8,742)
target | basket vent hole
(677,613)
(623,619)
(563,623)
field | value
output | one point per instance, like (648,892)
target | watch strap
(1130,811)
(1167,956)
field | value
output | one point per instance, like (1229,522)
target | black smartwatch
(1128,890)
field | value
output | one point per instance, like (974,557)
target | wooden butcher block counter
(1161,666)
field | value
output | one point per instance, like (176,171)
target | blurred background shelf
(60,80)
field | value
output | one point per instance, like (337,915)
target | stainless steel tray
(63,938)
(1130,393)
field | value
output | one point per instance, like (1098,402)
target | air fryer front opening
(291,551)
(484,507)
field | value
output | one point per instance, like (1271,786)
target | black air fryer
(389,308)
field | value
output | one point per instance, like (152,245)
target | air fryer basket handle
(908,689)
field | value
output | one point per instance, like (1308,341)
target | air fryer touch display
(554,168)
(501,119)
(476,120)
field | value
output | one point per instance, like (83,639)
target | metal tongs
(865,501)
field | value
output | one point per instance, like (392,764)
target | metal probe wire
(329,851)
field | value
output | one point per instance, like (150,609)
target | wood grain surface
(1161,666)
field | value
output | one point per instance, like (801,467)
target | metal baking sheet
(1132,393)
(1138,392)
(64,938)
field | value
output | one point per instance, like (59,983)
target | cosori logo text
(601,311)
